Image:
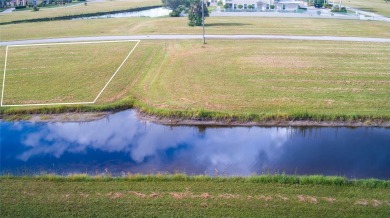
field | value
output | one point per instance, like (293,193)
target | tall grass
(277,179)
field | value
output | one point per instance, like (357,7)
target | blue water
(154,12)
(121,144)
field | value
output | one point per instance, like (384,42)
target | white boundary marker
(66,43)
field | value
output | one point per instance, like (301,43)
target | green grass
(92,7)
(214,25)
(251,80)
(61,73)
(180,195)
(376,6)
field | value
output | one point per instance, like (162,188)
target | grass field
(377,6)
(254,79)
(61,73)
(139,196)
(92,7)
(214,25)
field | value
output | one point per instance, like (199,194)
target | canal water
(121,144)
(155,12)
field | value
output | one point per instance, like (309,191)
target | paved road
(184,37)
(9,10)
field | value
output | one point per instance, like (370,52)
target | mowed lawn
(249,78)
(214,25)
(30,197)
(269,77)
(377,6)
(61,73)
(92,7)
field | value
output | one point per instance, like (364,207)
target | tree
(177,6)
(195,13)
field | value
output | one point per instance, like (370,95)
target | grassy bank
(180,195)
(251,80)
(91,8)
(214,25)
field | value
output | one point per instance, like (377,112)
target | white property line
(66,43)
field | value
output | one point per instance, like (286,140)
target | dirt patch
(283,198)
(308,199)
(376,203)
(116,195)
(264,198)
(84,195)
(154,195)
(138,194)
(362,202)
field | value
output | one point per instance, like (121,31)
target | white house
(263,5)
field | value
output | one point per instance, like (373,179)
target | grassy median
(179,195)
(214,25)
(254,80)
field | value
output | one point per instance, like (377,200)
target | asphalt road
(199,37)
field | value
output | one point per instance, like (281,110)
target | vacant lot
(214,25)
(377,6)
(92,7)
(259,76)
(61,73)
(29,197)
(255,78)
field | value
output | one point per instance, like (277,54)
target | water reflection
(155,12)
(121,143)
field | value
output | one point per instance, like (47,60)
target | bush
(240,6)
(20,7)
(343,9)
(250,7)
(272,7)
(220,3)
(35,8)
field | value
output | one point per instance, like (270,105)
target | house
(15,3)
(264,5)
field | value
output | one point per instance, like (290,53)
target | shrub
(250,7)
(240,6)
(35,8)
(226,6)
(272,7)
(20,7)
(220,3)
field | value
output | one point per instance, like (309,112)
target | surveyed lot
(61,73)
(263,78)
(278,77)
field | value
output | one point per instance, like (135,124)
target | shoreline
(266,123)
(177,121)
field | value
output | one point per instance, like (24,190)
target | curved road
(184,37)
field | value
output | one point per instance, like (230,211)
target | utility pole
(204,39)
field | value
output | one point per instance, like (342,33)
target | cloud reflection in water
(233,151)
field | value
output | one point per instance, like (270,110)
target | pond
(121,144)
(155,12)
